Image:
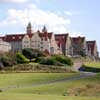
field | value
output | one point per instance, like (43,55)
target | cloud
(68,13)
(13,1)
(38,18)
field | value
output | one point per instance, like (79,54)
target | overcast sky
(78,17)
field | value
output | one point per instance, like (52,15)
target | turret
(29,28)
(44,29)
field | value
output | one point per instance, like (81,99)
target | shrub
(6,61)
(31,53)
(1,90)
(21,58)
(47,61)
(63,59)
(27,52)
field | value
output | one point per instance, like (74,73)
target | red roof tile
(19,37)
(61,39)
(77,40)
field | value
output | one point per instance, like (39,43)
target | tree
(28,53)
(21,58)
(32,53)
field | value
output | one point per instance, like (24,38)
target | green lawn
(26,87)
(82,87)
(23,79)
(42,97)
(93,64)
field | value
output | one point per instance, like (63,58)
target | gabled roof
(77,40)
(61,39)
(45,35)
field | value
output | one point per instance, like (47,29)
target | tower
(44,29)
(29,28)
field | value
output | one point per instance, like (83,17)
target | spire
(29,28)
(44,29)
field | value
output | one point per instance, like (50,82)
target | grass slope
(42,97)
(23,79)
(83,89)
(93,64)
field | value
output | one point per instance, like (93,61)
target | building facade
(52,43)
(43,41)
(4,46)
(92,50)
(78,46)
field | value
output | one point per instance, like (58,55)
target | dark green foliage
(27,52)
(89,69)
(47,61)
(1,90)
(31,53)
(63,59)
(6,61)
(55,60)
(21,58)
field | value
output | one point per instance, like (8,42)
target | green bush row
(55,60)
(30,55)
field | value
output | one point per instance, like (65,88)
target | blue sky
(78,17)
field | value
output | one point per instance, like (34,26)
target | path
(77,65)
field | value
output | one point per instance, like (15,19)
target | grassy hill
(41,86)
(41,97)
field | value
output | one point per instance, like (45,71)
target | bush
(27,52)
(47,61)
(31,53)
(1,90)
(55,60)
(63,59)
(21,58)
(6,61)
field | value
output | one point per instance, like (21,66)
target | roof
(77,40)
(19,37)
(61,39)
(15,37)
(45,35)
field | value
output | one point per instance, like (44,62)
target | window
(25,41)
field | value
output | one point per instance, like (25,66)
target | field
(48,86)
(93,64)
(42,97)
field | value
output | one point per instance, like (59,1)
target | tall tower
(29,28)
(44,29)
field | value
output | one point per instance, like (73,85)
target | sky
(76,17)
